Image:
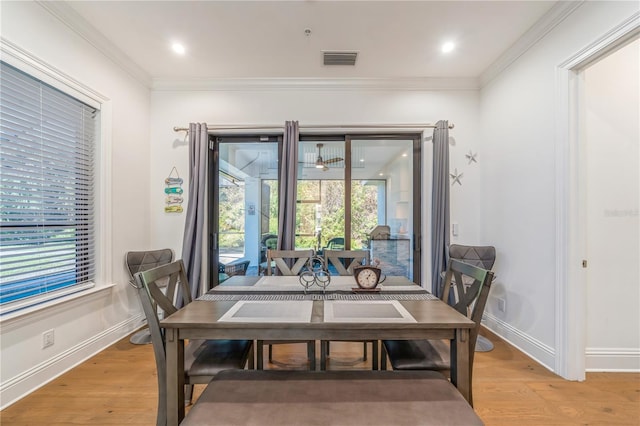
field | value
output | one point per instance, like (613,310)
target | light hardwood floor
(118,387)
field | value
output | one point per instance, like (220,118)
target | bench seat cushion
(331,398)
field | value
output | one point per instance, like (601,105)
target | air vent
(340,58)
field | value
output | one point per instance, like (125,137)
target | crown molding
(65,14)
(627,30)
(541,28)
(346,84)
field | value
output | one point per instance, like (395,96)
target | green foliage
(320,208)
(231,216)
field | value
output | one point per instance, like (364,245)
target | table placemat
(390,311)
(269,311)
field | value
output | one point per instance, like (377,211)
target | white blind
(47,145)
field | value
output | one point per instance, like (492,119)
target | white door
(611,114)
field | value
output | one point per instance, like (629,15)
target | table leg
(375,362)
(175,377)
(323,354)
(460,365)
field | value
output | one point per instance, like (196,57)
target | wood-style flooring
(118,387)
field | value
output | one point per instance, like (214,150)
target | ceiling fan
(322,163)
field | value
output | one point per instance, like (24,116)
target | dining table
(286,308)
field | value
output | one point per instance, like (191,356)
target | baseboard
(533,348)
(20,386)
(620,360)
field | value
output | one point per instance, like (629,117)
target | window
(47,154)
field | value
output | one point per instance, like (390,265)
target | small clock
(367,277)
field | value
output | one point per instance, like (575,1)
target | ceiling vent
(340,58)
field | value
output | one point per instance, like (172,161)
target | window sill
(15,313)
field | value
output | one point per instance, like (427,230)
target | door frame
(571,245)
(213,182)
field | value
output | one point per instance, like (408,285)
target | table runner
(256,295)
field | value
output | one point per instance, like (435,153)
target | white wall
(171,108)
(612,139)
(518,178)
(87,324)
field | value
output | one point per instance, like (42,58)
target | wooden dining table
(283,310)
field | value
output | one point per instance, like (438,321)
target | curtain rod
(317,126)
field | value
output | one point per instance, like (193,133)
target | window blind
(47,217)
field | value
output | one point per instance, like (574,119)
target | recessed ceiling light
(362,160)
(448,47)
(404,155)
(178,48)
(381,174)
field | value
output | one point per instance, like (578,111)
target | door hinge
(584,263)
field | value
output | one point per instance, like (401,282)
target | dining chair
(287,263)
(237,267)
(483,257)
(343,261)
(469,300)
(138,261)
(203,359)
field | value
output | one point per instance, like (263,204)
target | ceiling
(268,39)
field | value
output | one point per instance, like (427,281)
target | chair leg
(259,355)
(188,394)
(328,348)
(323,355)
(374,356)
(251,358)
(383,357)
(161,416)
(270,353)
(311,354)
(364,357)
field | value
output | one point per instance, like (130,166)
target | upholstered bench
(251,397)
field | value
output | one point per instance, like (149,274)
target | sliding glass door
(358,192)
(353,192)
(384,185)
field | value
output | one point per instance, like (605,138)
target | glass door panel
(320,217)
(245,203)
(382,194)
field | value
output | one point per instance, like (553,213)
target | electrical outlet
(502,305)
(47,339)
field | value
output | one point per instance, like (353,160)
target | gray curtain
(288,188)
(192,253)
(439,205)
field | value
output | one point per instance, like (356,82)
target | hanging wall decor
(173,191)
